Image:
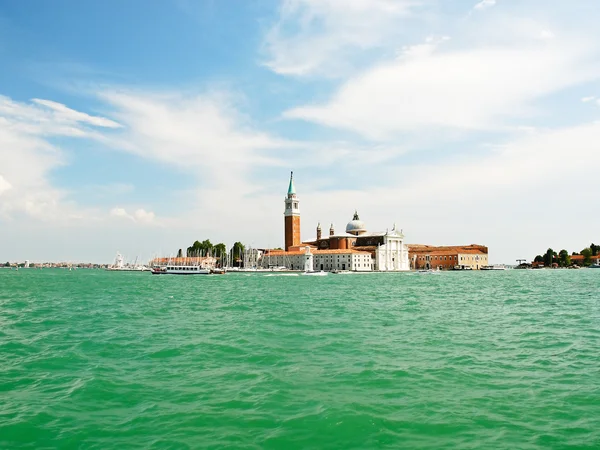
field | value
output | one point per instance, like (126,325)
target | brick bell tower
(292,216)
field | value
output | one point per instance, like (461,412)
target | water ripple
(97,360)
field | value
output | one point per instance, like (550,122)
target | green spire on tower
(292,188)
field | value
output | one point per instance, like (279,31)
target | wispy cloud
(27,157)
(64,114)
(484,4)
(317,36)
(140,215)
(478,88)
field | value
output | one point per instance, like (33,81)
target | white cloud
(62,113)
(588,99)
(478,88)
(140,215)
(316,36)
(484,4)
(204,135)
(4,185)
(28,158)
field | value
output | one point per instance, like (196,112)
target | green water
(94,359)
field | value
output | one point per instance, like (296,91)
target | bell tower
(292,216)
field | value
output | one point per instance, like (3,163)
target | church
(356,249)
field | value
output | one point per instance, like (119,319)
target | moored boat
(493,267)
(315,274)
(185,270)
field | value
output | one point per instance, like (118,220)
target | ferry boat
(494,267)
(315,274)
(181,270)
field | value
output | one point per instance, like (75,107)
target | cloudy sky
(142,126)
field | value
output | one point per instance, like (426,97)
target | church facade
(356,249)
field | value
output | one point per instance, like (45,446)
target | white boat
(595,266)
(493,267)
(315,274)
(185,270)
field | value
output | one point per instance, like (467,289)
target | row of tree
(563,259)
(219,251)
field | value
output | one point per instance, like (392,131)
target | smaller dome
(356,226)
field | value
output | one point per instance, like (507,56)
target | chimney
(318,231)
(331,231)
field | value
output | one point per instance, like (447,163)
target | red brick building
(447,257)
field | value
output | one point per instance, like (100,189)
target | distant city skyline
(141,127)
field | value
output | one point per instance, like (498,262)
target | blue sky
(141,126)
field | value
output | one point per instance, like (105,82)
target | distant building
(448,257)
(356,249)
(578,259)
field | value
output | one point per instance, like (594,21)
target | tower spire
(292,188)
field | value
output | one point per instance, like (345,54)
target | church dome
(356,226)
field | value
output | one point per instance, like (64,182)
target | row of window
(450,258)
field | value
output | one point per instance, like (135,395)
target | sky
(140,127)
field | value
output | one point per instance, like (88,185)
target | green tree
(180,253)
(587,256)
(238,253)
(549,257)
(7,264)
(595,249)
(198,248)
(538,259)
(564,258)
(219,250)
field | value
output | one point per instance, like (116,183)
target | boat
(158,270)
(185,270)
(595,266)
(493,267)
(320,273)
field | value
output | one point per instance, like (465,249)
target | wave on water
(282,275)
(100,360)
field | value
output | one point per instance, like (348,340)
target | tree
(595,249)
(180,254)
(238,252)
(219,250)
(549,257)
(587,256)
(198,248)
(538,259)
(565,259)
(7,264)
